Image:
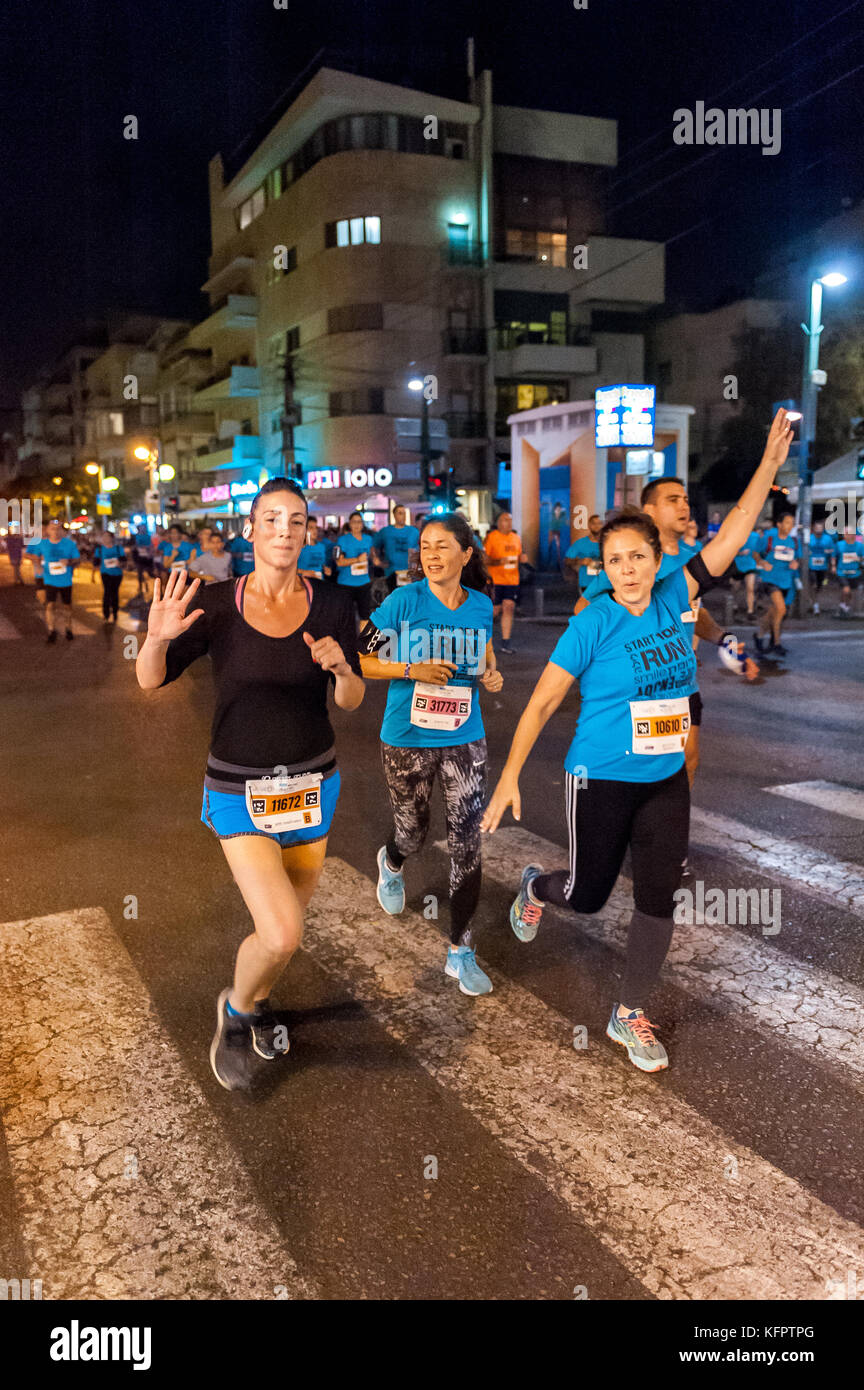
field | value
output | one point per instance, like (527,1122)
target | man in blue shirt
(177,551)
(395,548)
(778,559)
(822,554)
(242,556)
(583,556)
(59,555)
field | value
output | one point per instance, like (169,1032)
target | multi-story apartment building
(123,400)
(377,234)
(54,409)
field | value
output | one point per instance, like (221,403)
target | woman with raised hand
(626,783)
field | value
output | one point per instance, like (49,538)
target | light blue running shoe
(390,891)
(525,915)
(462,966)
(636,1034)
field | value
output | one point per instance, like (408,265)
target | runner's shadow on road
(325,1052)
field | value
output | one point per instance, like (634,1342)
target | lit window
(342,233)
(373,229)
(115,418)
(245,213)
(258,202)
(356,230)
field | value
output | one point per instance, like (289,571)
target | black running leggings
(110,594)
(604,818)
(461,770)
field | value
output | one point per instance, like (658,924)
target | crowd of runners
(288,611)
(285,632)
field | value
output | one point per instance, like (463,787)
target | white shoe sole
(220,1010)
(472,993)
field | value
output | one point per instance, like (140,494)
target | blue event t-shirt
(352,547)
(619,658)
(586,549)
(744,561)
(56,557)
(780,554)
(601,584)
(432,630)
(849,555)
(821,549)
(313,557)
(242,556)
(110,558)
(396,542)
(183,556)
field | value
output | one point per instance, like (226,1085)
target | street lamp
(811,381)
(416,384)
(149,454)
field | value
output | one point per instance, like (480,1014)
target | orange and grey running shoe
(634,1032)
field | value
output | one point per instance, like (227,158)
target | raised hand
(779,439)
(168,618)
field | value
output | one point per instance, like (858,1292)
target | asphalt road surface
(417,1143)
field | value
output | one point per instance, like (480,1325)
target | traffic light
(172,503)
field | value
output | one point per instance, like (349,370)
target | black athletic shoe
(52,637)
(231,1054)
(758,644)
(506,648)
(268,1036)
(69,634)
(779,650)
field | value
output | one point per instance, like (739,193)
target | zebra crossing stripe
(125,1185)
(693,1214)
(828,796)
(811,1011)
(835,880)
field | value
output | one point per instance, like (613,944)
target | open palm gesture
(168,618)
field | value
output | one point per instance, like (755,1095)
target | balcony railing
(464,342)
(507,338)
(472,426)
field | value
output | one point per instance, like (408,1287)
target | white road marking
(645,1171)
(816,1013)
(828,796)
(8,631)
(839,882)
(93,1091)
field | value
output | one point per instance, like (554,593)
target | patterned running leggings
(461,770)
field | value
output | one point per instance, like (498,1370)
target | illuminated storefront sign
(348,477)
(247,489)
(215,494)
(624,415)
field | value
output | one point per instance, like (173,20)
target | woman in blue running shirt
(432,641)
(110,557)
(352,557)
(626,783)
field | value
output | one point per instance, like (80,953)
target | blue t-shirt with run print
(636,675)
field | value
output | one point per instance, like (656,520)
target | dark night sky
(93,222)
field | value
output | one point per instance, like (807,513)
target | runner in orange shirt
(503,554)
